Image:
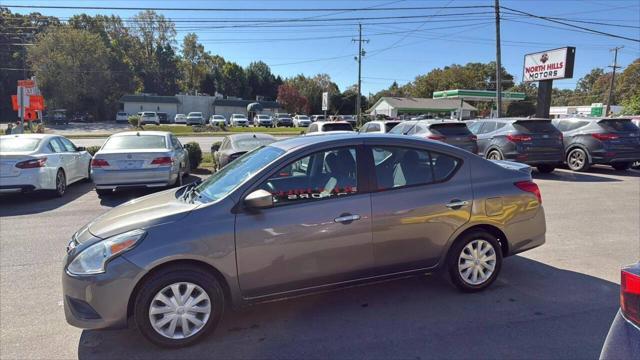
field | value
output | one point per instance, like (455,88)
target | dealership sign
(549,65)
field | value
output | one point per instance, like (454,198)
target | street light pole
(498,61)
(359,58)
(613,78)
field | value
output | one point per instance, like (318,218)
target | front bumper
(99,301)
(114,179)
(265,123)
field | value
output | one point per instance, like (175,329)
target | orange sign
(36,102)
(26,83)
(14,102)
(30,115)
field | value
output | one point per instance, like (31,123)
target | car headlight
(92,260)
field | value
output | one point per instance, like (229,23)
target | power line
(572,25)
(244,9)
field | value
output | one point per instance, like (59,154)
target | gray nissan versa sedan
(300,215)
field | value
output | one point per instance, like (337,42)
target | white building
(596,109)
(395,106)
(133,104)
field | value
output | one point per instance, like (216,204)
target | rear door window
(68,145)
(56,145)
(397,167)
(488,126)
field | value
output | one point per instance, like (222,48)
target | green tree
(628,83)
(193,55)
(72,69)
(260,81)
(233,80)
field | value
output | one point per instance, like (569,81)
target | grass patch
(207,161)
(180,130)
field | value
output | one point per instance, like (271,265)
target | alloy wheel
(577,159)
(180,310)
(61,183)
(494,155)
(477,262)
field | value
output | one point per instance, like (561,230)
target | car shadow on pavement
(572,176)
(14,204)
(532,311)
(122,196)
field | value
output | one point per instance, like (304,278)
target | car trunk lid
(133,159)
(619,135)
(456,134)
(8,162)
(537,135)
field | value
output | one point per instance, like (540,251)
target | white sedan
(30,162)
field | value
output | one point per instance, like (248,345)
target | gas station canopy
(477,95)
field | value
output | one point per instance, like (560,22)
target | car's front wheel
(577,160)
(178,306)
(474,261)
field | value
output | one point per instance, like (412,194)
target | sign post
(325,103)
(544,67)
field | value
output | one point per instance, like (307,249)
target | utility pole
(359,59)
(613,78)
(498,61)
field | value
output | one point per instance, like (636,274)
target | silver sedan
(139,159)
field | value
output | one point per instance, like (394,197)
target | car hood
(145,212)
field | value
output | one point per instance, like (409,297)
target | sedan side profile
(31,162)
(610,141)
(535,142)
(300,215)
(139,159)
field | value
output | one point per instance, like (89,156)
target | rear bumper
(610,156)
(623,340)
(265,123)
(527,234)
(114,179)
(28,180)
(537,158)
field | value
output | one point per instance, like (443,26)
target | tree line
(88,62)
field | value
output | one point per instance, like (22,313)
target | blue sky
(398,50)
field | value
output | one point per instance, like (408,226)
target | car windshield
(122,113)
(128,142)
(618,125)
(147,115)
(235,173)
(390,125)
(195,114)
(237,116)
(337,127)
(451,129)
(263,117)
(303,117)
(250,143)
(18,144)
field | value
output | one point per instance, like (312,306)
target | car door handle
(455,204)
(346,218)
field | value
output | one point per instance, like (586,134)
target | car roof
(30,136)
(144,132)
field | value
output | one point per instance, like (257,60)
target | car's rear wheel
(494,155)
(545,169)
(178,182)
(621,166)
(474,261)
(61,184)
(577,160)
(177,307)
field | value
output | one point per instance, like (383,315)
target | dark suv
(451,132)
(588,141)
(531,141)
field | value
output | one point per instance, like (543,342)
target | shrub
(195,153)
(134,121)
(92,150)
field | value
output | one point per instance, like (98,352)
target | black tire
(578,160)
(61,184)
(103,192)
(453,260)
(621,166)
(178,182)
(164,278)
(545,169)
(494,155)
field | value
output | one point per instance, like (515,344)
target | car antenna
(411,128)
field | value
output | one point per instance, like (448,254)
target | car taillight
(96,163)
(162,161)
(436,137)
(630,296)
(518,138)
(604,137)
(30,164)
(530,187)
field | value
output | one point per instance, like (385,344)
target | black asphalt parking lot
(554,302)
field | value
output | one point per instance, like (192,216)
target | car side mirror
(80,148)
(259,199)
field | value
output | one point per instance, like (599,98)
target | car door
(419,199)
(78,162)
(318,232)
(67,159)
(180,153)
(485,135)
